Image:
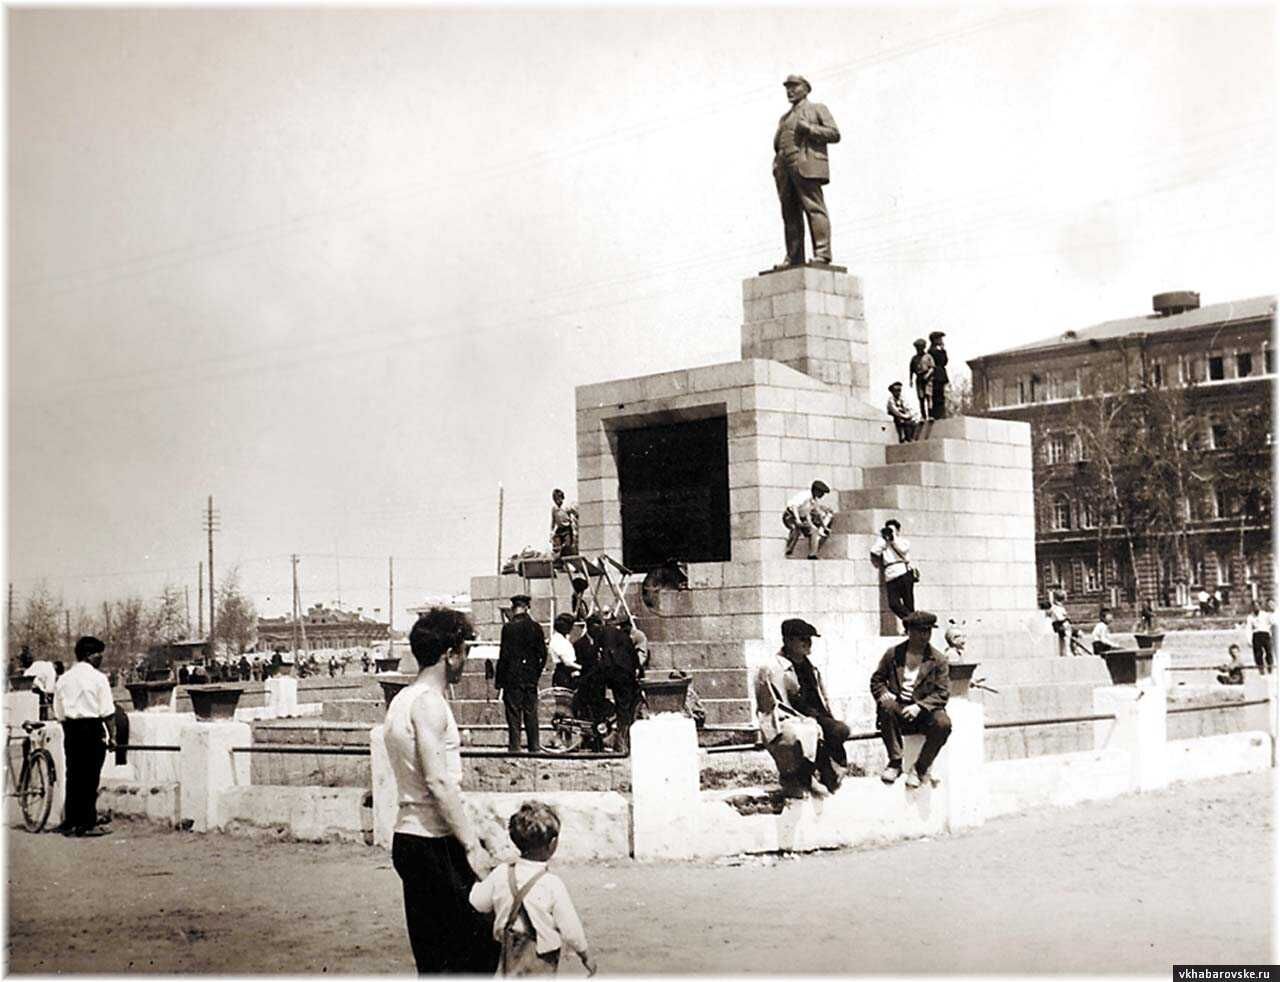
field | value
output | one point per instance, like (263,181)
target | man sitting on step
(794,713)
(911,686)
(806,515)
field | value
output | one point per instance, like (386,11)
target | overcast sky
(342,269)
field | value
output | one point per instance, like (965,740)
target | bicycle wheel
(35,793)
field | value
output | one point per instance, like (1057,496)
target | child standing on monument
(534,917)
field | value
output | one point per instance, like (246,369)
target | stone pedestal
(963,773)
(385,802)
(810,319)
(209,768)
(282,695)
(1139,728)
(664,787)
(21,707)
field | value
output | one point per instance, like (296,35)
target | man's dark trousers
(521,704)
(901,592)
(802,196)
(86,748)
(446,934)
(625,690)
(935,725)
(831,750)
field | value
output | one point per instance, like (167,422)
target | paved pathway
(1125,887)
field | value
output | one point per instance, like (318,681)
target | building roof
(1249,309)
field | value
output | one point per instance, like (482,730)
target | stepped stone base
(797,409)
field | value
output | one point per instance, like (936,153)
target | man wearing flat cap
(794,713)
(911,686)
(521,657)
(800,169)
(939,380)
(82,702)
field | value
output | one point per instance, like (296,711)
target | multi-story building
(1218,363)
(324,628)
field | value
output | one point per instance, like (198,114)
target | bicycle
(33,785)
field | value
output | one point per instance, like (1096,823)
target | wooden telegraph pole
(211,526)
(200,599)
(499,569)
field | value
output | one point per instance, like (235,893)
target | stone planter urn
(151,695)
(285,669)
(960,677)
(158,674)
(1150,642)
(389,664)
(665,695)
(217,700)
(1127,666)
(21,683)
(392,683)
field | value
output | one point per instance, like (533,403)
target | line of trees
(129,625)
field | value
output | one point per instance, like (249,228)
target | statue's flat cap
(798,80)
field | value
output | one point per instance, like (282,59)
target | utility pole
(211,526)
(200,600)
(186,603)
(299,626)
(499,570)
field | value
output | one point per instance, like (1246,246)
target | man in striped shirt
(911,686)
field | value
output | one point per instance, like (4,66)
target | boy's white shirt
(548,904)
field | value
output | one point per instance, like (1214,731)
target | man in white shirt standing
(892,554)
(1259,624)
(44,678)
(435,848)
(82,702)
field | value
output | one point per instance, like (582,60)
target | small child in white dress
(534,917)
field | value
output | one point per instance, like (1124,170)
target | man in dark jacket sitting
(911,686)
(521,657)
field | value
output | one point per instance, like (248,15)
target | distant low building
(1222,357)
(324,627)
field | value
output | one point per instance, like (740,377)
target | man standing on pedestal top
(800,169)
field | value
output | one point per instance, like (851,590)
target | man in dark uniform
(938,352)
(521,657)
(621,671)
(800,169)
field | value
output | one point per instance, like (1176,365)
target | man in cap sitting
(82,701)
(806,515)
(800,168)
(800,733)
(522,654)
(911,686)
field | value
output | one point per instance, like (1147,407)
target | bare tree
(237,618)
(167,618)
(41,625)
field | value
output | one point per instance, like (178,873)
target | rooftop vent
(1176,302)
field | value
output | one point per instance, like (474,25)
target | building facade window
(1268,359)
(1157,374)
(1088,515)
(1217,368)
(1061,518)
(1217,434)
(1222,503)
(1244,364)
(1092,583)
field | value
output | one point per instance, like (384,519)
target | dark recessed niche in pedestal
(673,489)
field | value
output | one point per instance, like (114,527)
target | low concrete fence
(198,775)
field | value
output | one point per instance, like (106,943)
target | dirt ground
(1125,887)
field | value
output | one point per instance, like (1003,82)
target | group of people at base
(604,657)
(464,913)
(911,686)
(927,371)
